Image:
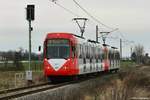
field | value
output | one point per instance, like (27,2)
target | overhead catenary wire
(95,19)
(124,39)
(90,15)
(121,34)
(66,9)
(74,14)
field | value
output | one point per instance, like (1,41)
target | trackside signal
(30,12)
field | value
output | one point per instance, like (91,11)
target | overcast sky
(132,17)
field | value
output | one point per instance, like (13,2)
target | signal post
(30,18)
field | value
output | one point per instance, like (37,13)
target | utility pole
(96,33)
(120,48)
(30,29)
(131,51)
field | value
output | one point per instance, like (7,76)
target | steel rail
(20,88)
(22,92)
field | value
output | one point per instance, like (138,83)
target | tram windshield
(58,48)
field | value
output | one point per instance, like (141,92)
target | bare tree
(6,56)
(18,58)
(146,59)
(139,52)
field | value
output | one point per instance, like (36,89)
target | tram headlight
(48,67)
(65,67)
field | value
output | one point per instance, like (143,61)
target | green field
(127,64)
(7,73)
(22,66)
(37,66)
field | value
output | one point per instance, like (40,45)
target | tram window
(78,51)
(105,55)
(116,56)
(73,51)
(90,60)
(84,60)
(102,55)
(112,55)
(83,51)
(93,53)
(96,53)
(109,55)
(99,54)
(57,48)
(90,51)
(96,60)
(80,56)
(87,52)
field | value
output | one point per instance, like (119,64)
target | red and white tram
(66,54)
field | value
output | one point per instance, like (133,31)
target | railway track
(20,88)
(18,92)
